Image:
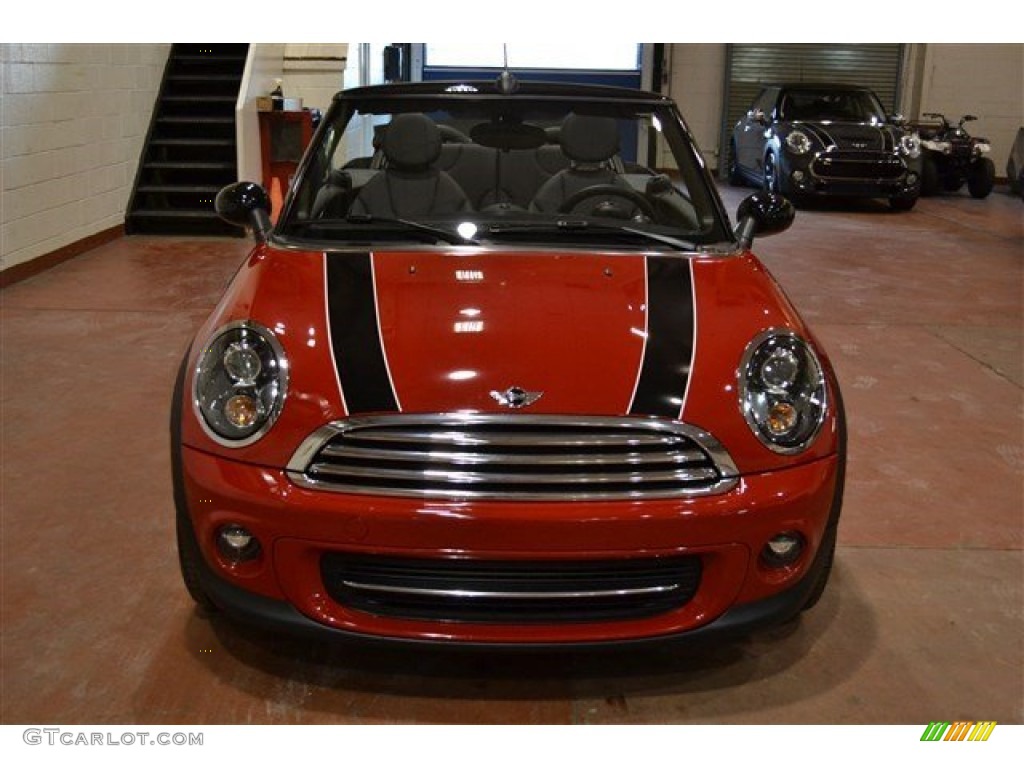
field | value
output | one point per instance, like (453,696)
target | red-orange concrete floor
(922,315)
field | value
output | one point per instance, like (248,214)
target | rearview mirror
(245,204)
(763,213)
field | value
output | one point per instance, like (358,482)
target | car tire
(826,570)
(733,167)
(190,562)
(189,556)
(771,174)
(981,178)
(903,203)
(929,177)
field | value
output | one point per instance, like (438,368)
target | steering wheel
(608,190)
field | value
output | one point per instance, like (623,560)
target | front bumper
(284,589)
(846,174)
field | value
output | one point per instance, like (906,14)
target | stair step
(202,77)
(186,120)
(201,99)
(176,213)
(188,166)
(219,58)
(193,142)
(180,189)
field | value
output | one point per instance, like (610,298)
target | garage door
(749,66)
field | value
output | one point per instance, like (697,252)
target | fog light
(798,176)
(911,178)
(783,549)
(237,544)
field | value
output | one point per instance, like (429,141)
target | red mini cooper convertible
(503,372)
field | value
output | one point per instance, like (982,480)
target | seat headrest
(412,142)
(588,139)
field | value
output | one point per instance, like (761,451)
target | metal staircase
(190,149)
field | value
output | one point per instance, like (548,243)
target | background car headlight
(910,145)
(782,391)
(798,143)
(240,383)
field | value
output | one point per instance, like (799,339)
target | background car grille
(517,458)
(850,165)
(510,591)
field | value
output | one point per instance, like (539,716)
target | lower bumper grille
(502,591)
(850,167)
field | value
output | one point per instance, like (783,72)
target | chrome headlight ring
(910,145)
(783,395)
(798,142)
(240,383)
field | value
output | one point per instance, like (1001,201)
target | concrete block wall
(73,118)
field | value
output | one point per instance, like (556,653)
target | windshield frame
(692,171)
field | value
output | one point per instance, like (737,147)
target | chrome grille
(520,457)
(857,166)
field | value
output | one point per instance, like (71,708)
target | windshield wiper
(580,225)
(439,233)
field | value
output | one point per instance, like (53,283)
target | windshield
(473,167)
(854,106)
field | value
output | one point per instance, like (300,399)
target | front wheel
(826,571)
(771,175)
(903,203)
(735,177)
(981,178)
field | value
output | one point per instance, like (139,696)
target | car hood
(446,330)
(852,136)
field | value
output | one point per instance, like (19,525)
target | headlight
(240,383)
(782,391)
(910,144)
(981,147)
(798,143)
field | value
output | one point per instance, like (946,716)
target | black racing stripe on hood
(355,334)
(668,353)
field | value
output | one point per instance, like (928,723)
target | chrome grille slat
(506,457)
(461,438)
(462,476)
(462,458)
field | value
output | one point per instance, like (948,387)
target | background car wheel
(735,177)
(929,177)
(981,178)
(826,571)
(189,556)
(771,175)
(902,203)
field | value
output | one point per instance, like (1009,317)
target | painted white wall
(264,63)
(697,83)
(314,72)
(984,79)
(73,120)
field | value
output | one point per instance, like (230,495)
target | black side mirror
(763,213)
(968,118)
(245,204)
(899,120)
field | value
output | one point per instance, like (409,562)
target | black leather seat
(409,186)
(589,143)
